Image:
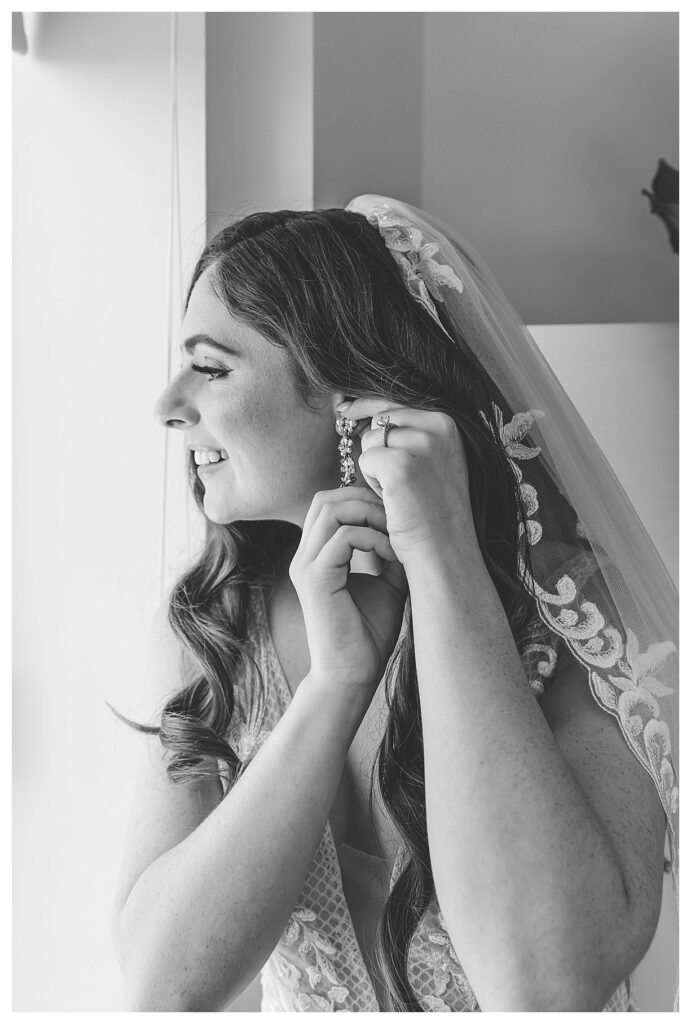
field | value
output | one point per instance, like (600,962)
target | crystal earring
(345,428)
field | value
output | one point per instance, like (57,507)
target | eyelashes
(212,372)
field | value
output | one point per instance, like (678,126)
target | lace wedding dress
(322,961)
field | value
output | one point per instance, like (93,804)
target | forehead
(207,315)
(205,305)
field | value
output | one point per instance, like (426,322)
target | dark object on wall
(664,199)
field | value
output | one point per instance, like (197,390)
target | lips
(207,466)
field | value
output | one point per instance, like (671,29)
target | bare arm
(547,836)
(204,916)
(208,883)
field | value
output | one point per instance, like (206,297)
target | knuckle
(440,421)
(402,466)
(448,424)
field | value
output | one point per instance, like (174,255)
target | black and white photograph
(345,511)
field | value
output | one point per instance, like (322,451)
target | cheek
(270,420)
(240,416)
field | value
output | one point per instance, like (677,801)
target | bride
(415,700)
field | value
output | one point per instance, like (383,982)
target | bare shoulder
(618,788)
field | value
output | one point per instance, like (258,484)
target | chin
(290,507)
(225,515)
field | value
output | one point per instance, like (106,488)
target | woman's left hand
(422,477)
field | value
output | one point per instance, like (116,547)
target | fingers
(333,497)
(360,408)
(399,436)
(334,514)
(423,420)
(372,408)
(338,550)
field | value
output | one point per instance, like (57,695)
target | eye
(213,372)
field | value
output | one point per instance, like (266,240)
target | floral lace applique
(288,973)
(435,1004)
(633,693)
(248,743)
(512,435)
(421,273)
(629,692)
(247,731)
(447,970)
(545,666)
(311,943)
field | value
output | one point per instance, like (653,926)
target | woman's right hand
(352,620)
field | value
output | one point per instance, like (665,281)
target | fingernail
(343,406)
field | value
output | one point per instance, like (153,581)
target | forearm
(525,874)
(204,917)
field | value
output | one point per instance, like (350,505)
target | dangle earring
(345,428)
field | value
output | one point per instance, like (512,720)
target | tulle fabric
(599,584)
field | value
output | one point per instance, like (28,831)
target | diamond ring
(386,424)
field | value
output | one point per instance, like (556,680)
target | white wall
(259,102)
(539,132)
(624,381)
(368,76)
(91,143)
(531,133)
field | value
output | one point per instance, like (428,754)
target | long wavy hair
(323,285)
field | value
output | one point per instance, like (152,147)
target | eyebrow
(190,344)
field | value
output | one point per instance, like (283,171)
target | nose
(173,409)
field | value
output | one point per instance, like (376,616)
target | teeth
(204,458)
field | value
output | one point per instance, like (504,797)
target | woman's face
(280,452)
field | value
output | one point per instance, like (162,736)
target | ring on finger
(386,424)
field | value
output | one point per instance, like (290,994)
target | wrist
(341,707)
(443,582)
(453,598)
(461,564)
